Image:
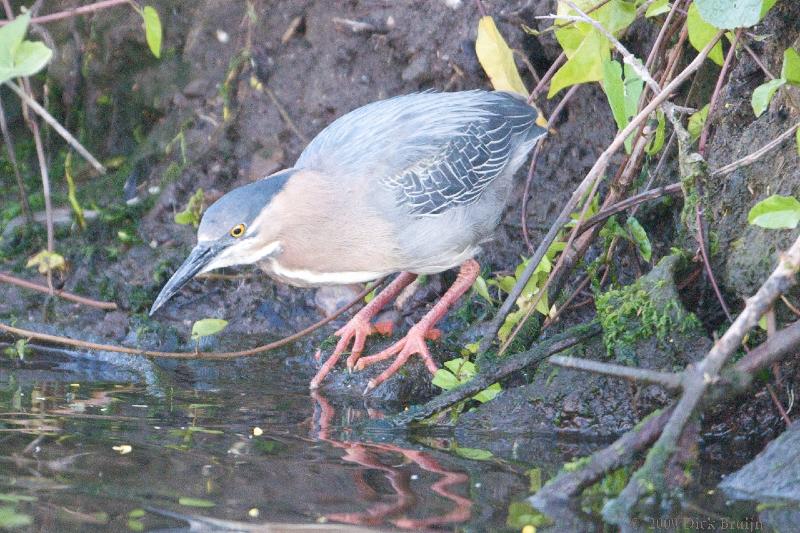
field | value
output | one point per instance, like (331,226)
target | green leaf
(482,289)
(585,65)
(633,90)
(763,94)
(462,369)
(797,140)
(766,6)
(775,212)
(701,33)
(697,121)
(521,514)
(207,326)
(29,58)
(640,238)
(444,379)
(194,209)
(615,91)
(11,35)
(474,453)
(730,14)
(17,56)
(659,7)
(137,513)
(658,139)
(11,519)
(488,393)
(790,71)
(195,502)
(152,30)
(47,262)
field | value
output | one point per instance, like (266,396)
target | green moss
(645,309)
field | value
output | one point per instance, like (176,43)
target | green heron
(413,184)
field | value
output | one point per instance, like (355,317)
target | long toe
(412,344)
(357,329)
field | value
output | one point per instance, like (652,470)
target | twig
(502,368)
(755,156)
(7,278)
(668,380)
(12,158)
(701,147)
(285,115)
(562,57)
(701,241)
(532,168)
(627,57)
(570,484)
(624,449)
(48,202)
(67,13)
(758,61)
(588,182)
(555,27)
(673,189)
(67,136)
(56,339)
(554,318)
(697,380)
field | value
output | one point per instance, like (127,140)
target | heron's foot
(357,330)
(412,344)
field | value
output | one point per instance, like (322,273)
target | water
(98,446)
(128,445)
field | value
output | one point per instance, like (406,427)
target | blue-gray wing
(465,166)
(430,151)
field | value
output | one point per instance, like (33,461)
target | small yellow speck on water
(529,529)
(257,431)
(253,513)
(123,448)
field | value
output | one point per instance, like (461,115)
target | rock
(774,475)
(330,299)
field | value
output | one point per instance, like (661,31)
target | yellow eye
(238,230)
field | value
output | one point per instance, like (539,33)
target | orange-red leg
(359,327)
(414,341)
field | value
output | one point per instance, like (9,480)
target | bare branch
(755,156)
(668,380)
(699,378)
(42,112)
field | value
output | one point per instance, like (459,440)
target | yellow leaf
(497,59)
(47,262)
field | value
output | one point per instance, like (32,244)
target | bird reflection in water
(382,457)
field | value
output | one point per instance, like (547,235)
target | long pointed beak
(201,255)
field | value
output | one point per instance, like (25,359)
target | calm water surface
(126,445)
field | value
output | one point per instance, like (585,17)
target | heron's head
(233,231)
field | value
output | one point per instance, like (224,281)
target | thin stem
(532,168)
(652,194)
(668,380)
(42,112)
(715,95)
(65,341)
(8,278)
(12,157)
(67,13)
(755,156)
